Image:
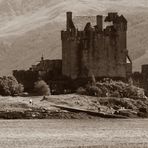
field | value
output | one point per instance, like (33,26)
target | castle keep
(98,49)
(93,47)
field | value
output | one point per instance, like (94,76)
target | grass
(104,104)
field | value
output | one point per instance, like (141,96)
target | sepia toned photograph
(73,73)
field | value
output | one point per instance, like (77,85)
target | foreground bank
(71,107)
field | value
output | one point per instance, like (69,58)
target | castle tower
(121,26)
(95,50)
(69,23)
(69,48)
(99,22)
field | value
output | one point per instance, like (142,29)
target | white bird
(31,102)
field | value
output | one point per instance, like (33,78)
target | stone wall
(94,50)
(145,78)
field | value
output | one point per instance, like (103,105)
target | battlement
(112,16)
(70,25)
(73,31)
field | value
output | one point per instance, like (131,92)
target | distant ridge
(29,28)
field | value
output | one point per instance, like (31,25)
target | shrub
(121,89)
(93,91)
(41,88)
(133,92)
(142,115)
(110,88)
(20,88)
(115,94)
(10,87)
(81,91)
(143,110)
(104,90)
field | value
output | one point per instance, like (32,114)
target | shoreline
(70,106)
(42,114)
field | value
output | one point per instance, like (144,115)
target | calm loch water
(73,133)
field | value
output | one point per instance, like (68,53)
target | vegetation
(110,88)
(10,87)
(41,88)
(93,90)
(81,91)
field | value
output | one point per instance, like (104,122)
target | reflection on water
(68,133)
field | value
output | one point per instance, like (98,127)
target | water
(68,133)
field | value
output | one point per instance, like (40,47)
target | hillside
(30,28)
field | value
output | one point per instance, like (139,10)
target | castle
(140,79)
(98,49)
(95,50)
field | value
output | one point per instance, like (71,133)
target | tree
(10,87)
(41,88)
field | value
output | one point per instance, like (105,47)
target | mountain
(30,28)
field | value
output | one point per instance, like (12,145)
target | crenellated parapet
(119,23)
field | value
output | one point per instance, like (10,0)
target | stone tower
(95,49)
